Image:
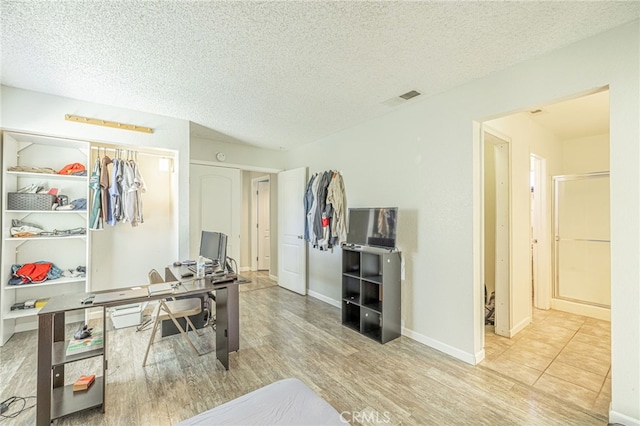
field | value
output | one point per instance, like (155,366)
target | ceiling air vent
(410,95)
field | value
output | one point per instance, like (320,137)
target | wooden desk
(55,400)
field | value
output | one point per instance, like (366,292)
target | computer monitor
(213,246)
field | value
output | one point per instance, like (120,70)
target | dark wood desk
(227,307)
(55,400)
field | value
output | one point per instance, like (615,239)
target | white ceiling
(278,74)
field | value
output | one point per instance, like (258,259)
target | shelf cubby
(371,292)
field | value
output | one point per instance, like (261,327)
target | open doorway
(261,223)
(564,351)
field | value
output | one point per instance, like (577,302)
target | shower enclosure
(582,249)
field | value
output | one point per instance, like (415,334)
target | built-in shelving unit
(371,292)
(65,252)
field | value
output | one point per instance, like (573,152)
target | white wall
(422,158)
(246,157)
(585,155)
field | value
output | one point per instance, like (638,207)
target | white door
(264,237)
(292,248)
(214,205)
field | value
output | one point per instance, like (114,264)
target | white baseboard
(325,299)
(273,277)
(480,356)
(520,326)
(615,417)
(245,269)
(469,358)
(581,309)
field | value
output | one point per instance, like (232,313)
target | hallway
(566,355)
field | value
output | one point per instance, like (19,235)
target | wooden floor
(287,335)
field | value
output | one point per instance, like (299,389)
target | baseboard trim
(324,298)
(467,357)
(274,278)
(520,326)
(615,417)
(581,309)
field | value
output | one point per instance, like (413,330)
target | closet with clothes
(117,186)
(325,208)
(132,210)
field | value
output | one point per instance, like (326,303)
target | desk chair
(172,309)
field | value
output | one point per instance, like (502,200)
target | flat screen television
(375,227)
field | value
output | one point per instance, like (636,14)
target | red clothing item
(33,272)
(72,168)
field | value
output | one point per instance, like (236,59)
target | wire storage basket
(22,201)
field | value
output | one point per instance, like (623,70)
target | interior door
(264,231)
(292,249)
(214,205)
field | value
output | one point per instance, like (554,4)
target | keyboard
(208,270)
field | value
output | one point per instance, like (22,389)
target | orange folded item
(72,168)
(84,382)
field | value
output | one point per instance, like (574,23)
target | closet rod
(124,150)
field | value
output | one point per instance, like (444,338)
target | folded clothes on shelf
(45,170)
(35,272)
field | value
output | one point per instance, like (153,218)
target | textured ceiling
(278,74)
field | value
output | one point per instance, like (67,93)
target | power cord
(7,403)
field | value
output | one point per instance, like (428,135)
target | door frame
(254,219)
(541,268)
(503,253)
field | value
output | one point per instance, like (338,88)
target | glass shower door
(582,239)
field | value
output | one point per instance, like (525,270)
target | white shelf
(66,237)
(59,281)
(47,211)
(22,313)
(47,176)
(21,149)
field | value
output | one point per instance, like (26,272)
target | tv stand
(371,294)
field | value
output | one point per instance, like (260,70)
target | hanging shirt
(336,197)
(307,201)
(321,203)
(107,215)
(138,183)
(114,192)
(128,193)
(95,219)
(312,211)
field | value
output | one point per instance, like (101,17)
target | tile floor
(560,353)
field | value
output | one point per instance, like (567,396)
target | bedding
(285,402)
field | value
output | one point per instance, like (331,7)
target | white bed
(286,402)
